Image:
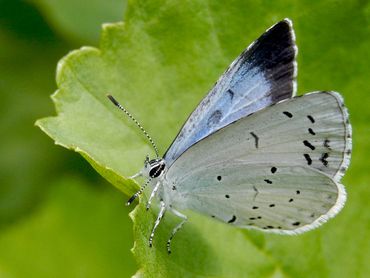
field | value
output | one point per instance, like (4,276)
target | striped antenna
(116,103)
(141,190)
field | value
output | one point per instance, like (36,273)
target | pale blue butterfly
(252,154)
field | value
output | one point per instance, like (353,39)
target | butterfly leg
(176,229)
(157,221)
(154,192)
(136,175)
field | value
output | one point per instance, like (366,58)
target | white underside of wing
(312,130)
(291,200)
(299,144)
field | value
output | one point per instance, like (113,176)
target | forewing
(282,164)
(263,74)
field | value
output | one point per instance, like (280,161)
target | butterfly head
(154,168)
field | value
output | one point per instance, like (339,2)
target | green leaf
(203,248)
(79,231)
(159,64)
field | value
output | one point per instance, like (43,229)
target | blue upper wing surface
(263,74)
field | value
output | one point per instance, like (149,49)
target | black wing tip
(285,25)
(287,21)
(282,28)
(278,37)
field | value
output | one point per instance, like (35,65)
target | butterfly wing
(263,74)
(278,169)
(292,200)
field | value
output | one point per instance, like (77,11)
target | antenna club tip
(112,99)
(133,197)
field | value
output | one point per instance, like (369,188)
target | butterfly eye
(156,168)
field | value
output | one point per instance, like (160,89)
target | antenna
(116,103)
(141,190)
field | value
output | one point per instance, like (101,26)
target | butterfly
(252,154)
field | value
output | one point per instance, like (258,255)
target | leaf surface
(159,64)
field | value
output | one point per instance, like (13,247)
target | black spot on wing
(310,130)
(254,207)
(296,223)
(219,178)
(214,118)
(288,114)
(232,220)
(309,145)
(308,158)
(324,158)
(227,196)
(327,144)
(255,139)
(231,93)
(312,120)
(268,181)
(273,170)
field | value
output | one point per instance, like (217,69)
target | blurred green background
(59,218)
